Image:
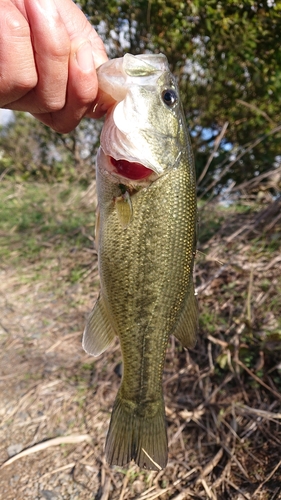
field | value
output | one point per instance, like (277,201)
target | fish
(146,229)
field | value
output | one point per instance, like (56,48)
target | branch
(256,180)
(216,146)
(73,439)
(256,109)
(249,148)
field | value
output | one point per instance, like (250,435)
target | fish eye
(169,97)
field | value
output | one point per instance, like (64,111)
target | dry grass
(223,398)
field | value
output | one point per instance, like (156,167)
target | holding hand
(49,53)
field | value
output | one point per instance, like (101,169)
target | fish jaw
(121,144)
(140,127)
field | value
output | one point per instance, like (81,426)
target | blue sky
(6,115)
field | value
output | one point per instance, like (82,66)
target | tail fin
(137,437)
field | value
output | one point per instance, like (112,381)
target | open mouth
(130,170)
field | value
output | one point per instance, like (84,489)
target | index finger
(77,25)
(17,73)
(51,45)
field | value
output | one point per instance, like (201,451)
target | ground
(223,398)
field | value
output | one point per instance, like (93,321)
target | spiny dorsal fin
(98,333)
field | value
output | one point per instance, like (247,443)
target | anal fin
(187,326)
(99,332)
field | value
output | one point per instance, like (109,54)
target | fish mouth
(130,170)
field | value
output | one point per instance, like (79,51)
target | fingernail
(84,57)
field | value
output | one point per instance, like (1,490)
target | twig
(247,150)
(256,109)
(210,258)
(272,263)
(183,495)
(216,146)
(256,180)
(73,439)
(106,489)
(257,379)
(267,478)
(20,404)
(11,375)
(179,431)
(207,489)
(249,297)
(235,488)
(66,337)
(224,474)
(6,171)
(276,492)
(151,459)
(59,469)
(2,326)
(272,223)
(211,465)
(269,415)
(157,494)
(222,343)
(202,287)
(124,486)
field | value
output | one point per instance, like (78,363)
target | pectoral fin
(187,326)
(98,333)
(124,209)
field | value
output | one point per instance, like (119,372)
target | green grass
(35,217)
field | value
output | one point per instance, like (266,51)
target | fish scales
(145,265)
(146,289)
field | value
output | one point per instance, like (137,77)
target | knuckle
(85,93)
(17,85)
(59,50)
(53,107)
(52,104)
(88,97)
(26,82)
(14,25)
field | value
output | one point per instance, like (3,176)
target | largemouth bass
(146,232)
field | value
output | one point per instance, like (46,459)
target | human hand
(49,53)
